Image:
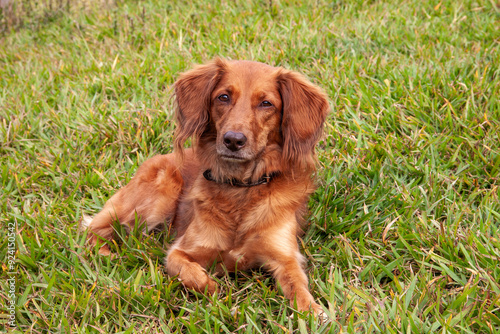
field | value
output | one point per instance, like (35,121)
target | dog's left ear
(305,107)
(192,95)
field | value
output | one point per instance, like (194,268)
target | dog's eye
(266,104)
(223,97)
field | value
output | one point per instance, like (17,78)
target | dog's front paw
(196,279)
(319,313)
(104,250)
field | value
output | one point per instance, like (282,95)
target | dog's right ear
(192,95)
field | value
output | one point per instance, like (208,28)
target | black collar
(237,183)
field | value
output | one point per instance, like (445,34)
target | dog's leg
(279,253)
(150,196)
(289,274)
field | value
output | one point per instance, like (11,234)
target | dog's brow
(267,95)
(224,88)
(263,95)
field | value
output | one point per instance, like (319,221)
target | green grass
(404,227)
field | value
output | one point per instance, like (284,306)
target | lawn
(404,227)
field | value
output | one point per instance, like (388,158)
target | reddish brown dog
(237,197)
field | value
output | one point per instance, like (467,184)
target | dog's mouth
(239,156)
(232,158)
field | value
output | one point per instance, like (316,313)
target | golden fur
(247,120)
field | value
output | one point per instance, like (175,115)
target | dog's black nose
(234,140)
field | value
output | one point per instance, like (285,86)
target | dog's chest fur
(228,216)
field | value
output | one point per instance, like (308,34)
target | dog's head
(244,107)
